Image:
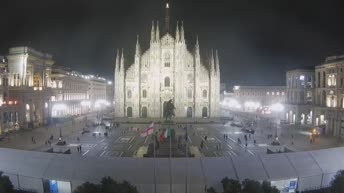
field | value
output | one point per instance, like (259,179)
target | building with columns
(167,70)
(300,96)
(29,74)
(316,97)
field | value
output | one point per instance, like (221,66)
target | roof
(197,171)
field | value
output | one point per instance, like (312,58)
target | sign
(292,186)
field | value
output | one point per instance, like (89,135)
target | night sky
(258,40)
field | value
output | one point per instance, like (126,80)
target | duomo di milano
(167,70)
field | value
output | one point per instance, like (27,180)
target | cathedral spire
(182,33)
(117,62)
(152,32)
(167,18)
(138,49)
(217,62)
(177,32)
(212,62)
(157,32)
(122,62)
(197,46)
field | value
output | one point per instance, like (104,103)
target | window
(331,80)
(144,78)
(277,93)
(144,94)
(167,59)
(272,93)
(267,93)
(205,93)
(167,82)
(190,78)
(331,101)
(189,93)
(283,93)
(129,94)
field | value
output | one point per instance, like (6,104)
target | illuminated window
(272,93)
(331,101)
(267,93)
(277,93)
(331,80)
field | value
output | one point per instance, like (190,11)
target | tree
(230,185)
(337,184)
(211,190)
(251,186)
(5,184)
(107,185)
(267,188)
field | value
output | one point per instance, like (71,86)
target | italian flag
(166,134)
(148,131)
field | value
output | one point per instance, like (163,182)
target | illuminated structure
(252,97)
(299,98)
(9,109)
(316,97)
(75,93)
(167,70)
(29,83)
(329,96)
(33,90)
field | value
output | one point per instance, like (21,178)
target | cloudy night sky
(257,40)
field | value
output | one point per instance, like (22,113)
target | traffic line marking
(120,155)
(102,153)
(229,146)
(130,147)
(145,140)
(85,152)
(249,151)
(132,139)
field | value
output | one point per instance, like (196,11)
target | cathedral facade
(167,70)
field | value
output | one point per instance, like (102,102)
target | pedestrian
(254,141)
(224,136)
(217,147)
(201,145)
(80,148)
(246,144)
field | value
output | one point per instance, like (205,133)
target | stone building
(300,96)
(259,95)
(167,70)
(29,74)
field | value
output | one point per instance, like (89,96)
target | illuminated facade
(9,109)
(252,97)
(74,93)
(167,70)
(300,96)
(29,83)
(316,97)
(329,96)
